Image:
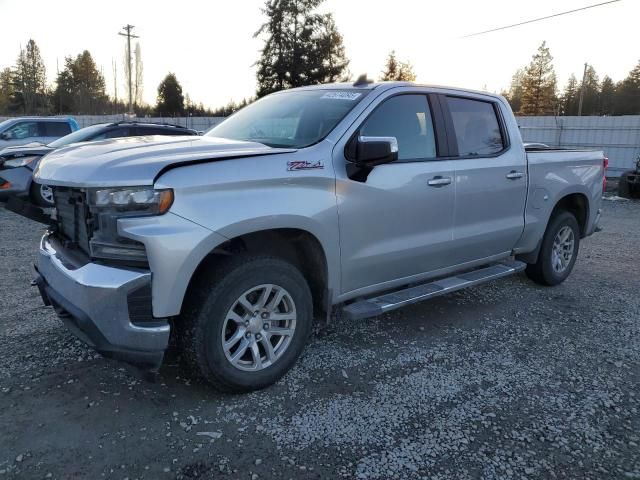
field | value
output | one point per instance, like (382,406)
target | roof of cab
(371,85)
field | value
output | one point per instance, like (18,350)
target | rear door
(396,220)
(490,179)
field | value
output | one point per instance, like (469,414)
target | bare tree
(137,84)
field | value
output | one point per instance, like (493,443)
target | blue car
(26,130)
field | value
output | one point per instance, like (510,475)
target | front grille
(72,217)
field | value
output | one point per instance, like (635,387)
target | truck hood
(137,160)
(24,151)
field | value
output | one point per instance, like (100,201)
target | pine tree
(514,95)
(7,91)
(31,79)
(80,87)
(591,92)
(607,96)
(170,100)
(539,84)
(396,70)
(570,97)
(301,47)
(628,94)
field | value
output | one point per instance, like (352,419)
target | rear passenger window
(55,129)
(408,119)
(477,127)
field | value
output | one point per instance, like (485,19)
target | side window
(476,125)
(156,131)
(408,118)
(117,132)
(55,129)
(21,131)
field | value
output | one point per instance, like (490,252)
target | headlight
(107,205)
(144,200)
(20,161)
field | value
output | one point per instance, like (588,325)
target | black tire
(542,272)
(623,186)
(199,328)
(35,194)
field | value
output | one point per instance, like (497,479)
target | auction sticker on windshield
(341,95)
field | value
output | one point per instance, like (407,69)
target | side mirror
(5,136)
(372,151)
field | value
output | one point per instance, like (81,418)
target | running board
(372,307)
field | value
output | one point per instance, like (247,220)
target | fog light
(126,251)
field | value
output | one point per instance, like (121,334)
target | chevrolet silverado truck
(341,201)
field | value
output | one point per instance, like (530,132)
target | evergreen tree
(570,97)
(607,96)
(539,84)
(514,95)
(31,79)
(80,87)
(591,92)
(301,47)
(395,70)
(628,94)
(7,91)
(170,100)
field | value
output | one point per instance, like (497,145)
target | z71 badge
(304,165)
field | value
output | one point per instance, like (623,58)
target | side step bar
(372,307)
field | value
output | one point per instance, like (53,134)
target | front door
(396,221)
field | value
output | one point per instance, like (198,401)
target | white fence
(618,137)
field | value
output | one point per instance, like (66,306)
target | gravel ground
(508,380)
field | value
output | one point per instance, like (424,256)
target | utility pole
(584,78)
(128,29)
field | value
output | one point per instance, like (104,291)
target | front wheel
(41,195)
(245,327)
(558,252)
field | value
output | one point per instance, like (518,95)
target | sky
(210,47)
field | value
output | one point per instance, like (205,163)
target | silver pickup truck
(348,200)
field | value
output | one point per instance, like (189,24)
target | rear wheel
(558,252)
(247,326)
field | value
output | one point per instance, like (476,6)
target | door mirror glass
(372,151)
(5,136)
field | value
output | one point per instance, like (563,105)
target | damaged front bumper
(108,308)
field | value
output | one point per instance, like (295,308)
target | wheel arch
(577,203)
(298,246)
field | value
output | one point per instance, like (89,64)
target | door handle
(513,175)
(439,181)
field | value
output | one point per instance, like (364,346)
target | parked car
(24,130)
(17,163)
(339,199)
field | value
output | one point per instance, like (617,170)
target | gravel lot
(508,380)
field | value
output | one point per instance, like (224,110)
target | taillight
(605,165)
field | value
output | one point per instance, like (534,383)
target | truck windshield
(293,119)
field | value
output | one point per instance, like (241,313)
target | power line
(541,18)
